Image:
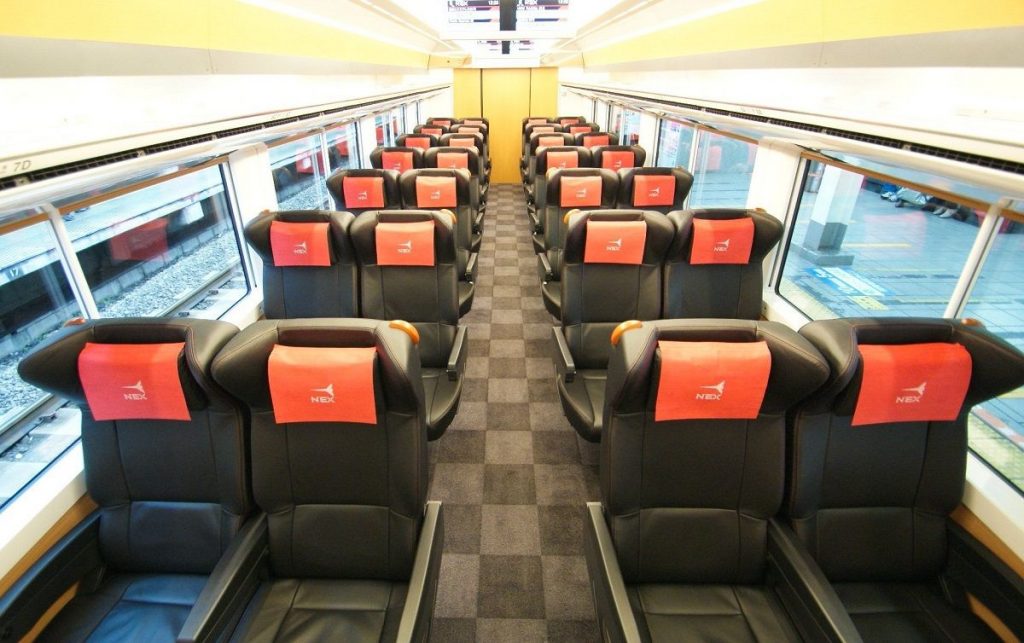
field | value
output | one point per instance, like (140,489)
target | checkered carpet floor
(511,472)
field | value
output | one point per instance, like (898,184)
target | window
(167,248)
(343,147)
(614,118)
(630,132)
(397,122)
(862,247)
(675,143)
(382,125)
(298,169)
(996,428)
(722,172)
(601,113)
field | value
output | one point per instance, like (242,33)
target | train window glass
(342,146)
(35,301)
(615,119)
(168,248)
(722,171)
(397,122)
(861,246)
(382,125)
(675,143)
(996,428)
(601,109)
(630,132)
(299,173)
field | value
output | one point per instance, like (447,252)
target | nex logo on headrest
(363,196)
(300,248)
(405,248)
(327,396)
(581,193)
(718,389)
(140,393)
(722,246)
(912,399)
(614,246)
(435,195)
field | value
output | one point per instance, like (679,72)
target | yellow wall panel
(466,92)
(224,25)
(543,91)
(777,23)
(506,101)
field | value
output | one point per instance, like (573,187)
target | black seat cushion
(734,613)
(323,610)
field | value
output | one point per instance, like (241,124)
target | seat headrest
(364,233)
(243,366)
(554,157)
(54,365)
(996,367)
(421,141)
(581,128)
(580,186)
(595,139)
(705,243)
(549,139)
(795,368)
(361,189)
(619,157)
(339,249)
(658,232)
(465,158)
(434,129)
(569,120)
(541,128)
(397,158)
(451,187)
(661,187)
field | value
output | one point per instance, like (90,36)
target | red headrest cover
(596,139)
(654,190)
(422,142)
(580,191)
(721,241)
(453,160)
(712,380)
(300,244)
(912,383)
(436,192)
(133,381)
(615,242)
(400,161)
(563,160)
(317,384)
(617,160)
(405,244)
(364,191)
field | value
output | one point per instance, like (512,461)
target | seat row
(268,484)
(759,484)
(635,264)
(400,264)
(404,159)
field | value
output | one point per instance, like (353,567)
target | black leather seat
(619,157)
(595,139)
(309,268)
(399,159)
(584,189)
(681,546)
(662,189)
(566,121)
(357,191)
(444,121)
(451,190)
(547,159)
(714,266)
(419,141)
(582,128)
(425,293)
(165,458)
(597,295)
(434,129)
(462,158)
(482,130)
(349,549)
(878,464)
(477,142)
(475,120)
(535,126)
(539,139)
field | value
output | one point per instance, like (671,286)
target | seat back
(537,120)
(693,445)
(418,286)
(663,189)
(879,453)
(714,266)
(539,128)
(164,447)
(443,189)
(583,188)
(582,128)
(465,139)
(443,121)
(566,121)
(420,141)
(454,158)
(594,139)
(547,139)
(399,159)
(556,156)
(309,268)
(433,129)
(357,191)
(338,443)
(476,121)
(619,157)
(597,295)
(470,129)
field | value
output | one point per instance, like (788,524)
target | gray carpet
(511,472)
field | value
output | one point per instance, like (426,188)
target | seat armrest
(73,558)
(980,573)
(474,193)
(545,266)
(614,613)
(564,363)
(457,358)
(478,220)
(809,598)
(426,568)
(536,223)
(471,266)
(230,587)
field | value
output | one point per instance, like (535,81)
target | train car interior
(611,321)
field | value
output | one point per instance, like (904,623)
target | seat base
(908,612)
(442,400)
(583,402)
(670,612)
(128,607)
(323,610)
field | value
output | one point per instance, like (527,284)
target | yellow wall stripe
(466,92)
(777,23)
(223,25)
(543,91)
